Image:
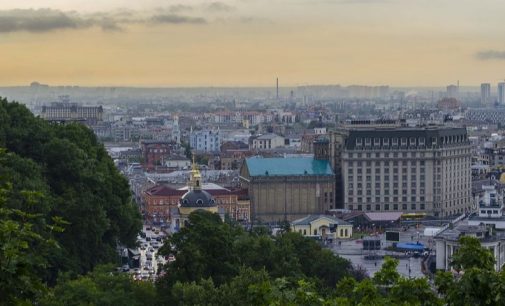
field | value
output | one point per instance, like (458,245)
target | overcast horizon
(248,43)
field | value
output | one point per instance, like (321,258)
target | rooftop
(258,166)
(311,218)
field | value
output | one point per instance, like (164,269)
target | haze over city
(249,43)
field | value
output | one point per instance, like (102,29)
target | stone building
(64,111)
(410,169)
(287,188)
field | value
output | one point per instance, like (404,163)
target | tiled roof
(164,190)
(258,166)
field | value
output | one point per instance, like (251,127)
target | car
(156,232)
(151,249)
(158,239)
(156,246)
(125,268)
(148,238)
(148,228)
(142,247)
(145,268)
(149,256)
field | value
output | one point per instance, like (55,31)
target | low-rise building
(267,142)
(447,242)
(327,227)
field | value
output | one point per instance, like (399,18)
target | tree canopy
(64,203)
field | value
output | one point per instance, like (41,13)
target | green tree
(23,251)
(103,286)
(471,254)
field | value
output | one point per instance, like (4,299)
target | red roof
(164,190)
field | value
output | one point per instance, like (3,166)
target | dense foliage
(64,205)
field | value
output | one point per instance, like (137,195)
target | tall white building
(485,93)
(206,140)
(501,93)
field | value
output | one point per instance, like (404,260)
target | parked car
(125,268)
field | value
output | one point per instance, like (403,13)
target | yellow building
(326,227)
(194,199)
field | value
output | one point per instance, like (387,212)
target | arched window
(199,202)
(346,233)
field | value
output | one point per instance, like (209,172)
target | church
(194,199)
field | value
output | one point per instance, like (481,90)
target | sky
(165,43)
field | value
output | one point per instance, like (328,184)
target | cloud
(176,19)
(47,20)
(219,7)
(178,8)
(41,20)
(490,55)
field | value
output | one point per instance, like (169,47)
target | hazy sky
(250,42)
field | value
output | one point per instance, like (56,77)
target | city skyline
(250,43)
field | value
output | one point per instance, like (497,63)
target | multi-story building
(501,93)
(410,169)
(155,153)
(267,142)
(287,188)
(206,140)
(64,111)
(485,93)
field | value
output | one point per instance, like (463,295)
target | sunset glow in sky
(250,42)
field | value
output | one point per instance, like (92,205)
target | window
(385,141)
(360,207)
(413,206)
(395,206)
(386,206)
(395,141)
(368,207)
(404,206)
(404,141)
(368,141)
(377,207)
(376,141)
(359,142)
(412,141)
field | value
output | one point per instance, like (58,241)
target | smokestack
(277,88)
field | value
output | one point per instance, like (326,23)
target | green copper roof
(259,166)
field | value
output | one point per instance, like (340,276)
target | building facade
(287,188)
(501,93)
(267,142)
(421,169)
(206,140)
(63,111)
(485,93)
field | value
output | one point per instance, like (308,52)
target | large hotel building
(424,169)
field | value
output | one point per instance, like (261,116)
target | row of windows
(386,170)
(377,207)
(387,154)
(387,163)
(386,185)
(368,178)
(386,199)
(408,141)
